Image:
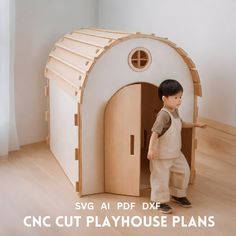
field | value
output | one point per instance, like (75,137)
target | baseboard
(219,126)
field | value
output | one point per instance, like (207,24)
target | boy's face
(173,101)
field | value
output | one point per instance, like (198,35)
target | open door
(150,106)
(122,141)
(129,117)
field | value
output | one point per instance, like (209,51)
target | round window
(139,59)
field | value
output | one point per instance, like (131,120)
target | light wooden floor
(32,183)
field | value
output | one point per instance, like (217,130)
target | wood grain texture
(32,183)
(122,141)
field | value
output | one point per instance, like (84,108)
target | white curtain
(8,134)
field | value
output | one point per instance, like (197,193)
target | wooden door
(122,141)
(150,106)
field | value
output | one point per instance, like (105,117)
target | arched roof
(74,55)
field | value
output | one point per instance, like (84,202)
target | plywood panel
(67,87)
(108,35)
(71,50)
(78,61)
(70,74)
(97,41)
(151,104)
(86,49)
(63,132)
(122,141)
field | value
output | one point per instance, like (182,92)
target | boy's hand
(152,155)
(201,125)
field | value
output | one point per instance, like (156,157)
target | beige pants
(169,177)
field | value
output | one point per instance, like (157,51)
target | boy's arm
(153,147)
(193,125)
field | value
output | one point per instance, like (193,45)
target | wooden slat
(80,135)
(77,186)
(197,89)
(86,49)
(46,116)
(75,52)
(192,176)
(195,75)
(167,41)
(105,34)
(189,62)
(195,108)
(196,111)
(62,77)
(67,63)
(79,95)
(181,52)
(84,42)
(66,72)
(97,35)
(91,39)
(76,119)
(81,63)
(77,154)
(195,144)
(46,90)
(112,31)
(67,87)
(173,45)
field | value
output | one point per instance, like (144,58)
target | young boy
(169,169)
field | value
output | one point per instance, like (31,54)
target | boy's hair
(169,87)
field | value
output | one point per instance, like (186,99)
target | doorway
(129,117)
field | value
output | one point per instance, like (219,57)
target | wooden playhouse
(102,93)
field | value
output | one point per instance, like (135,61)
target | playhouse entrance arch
(129,116)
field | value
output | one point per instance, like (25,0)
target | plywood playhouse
(102,93)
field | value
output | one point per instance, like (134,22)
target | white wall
(206,29)
(38,25)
